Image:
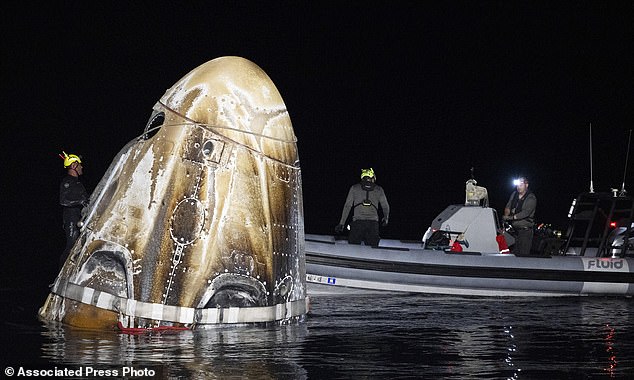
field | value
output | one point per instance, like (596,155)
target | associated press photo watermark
(82,372)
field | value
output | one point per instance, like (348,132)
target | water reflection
(573,338)
(609,349)
(395,336)
(511,349)
(609,319)
(248,352)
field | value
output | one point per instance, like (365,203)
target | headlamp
(518,181)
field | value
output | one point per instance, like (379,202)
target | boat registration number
(321,279)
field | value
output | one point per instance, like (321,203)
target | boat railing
(592,218)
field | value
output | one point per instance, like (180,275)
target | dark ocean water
(366,336)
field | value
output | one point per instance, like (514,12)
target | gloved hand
(384,221)
(339,228)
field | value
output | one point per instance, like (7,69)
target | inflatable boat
(594,257)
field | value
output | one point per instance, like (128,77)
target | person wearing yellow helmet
(73,197)
(69,159)
(369,173)
(365,198)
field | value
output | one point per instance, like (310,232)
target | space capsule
(198,221)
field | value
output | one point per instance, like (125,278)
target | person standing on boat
(73,197)
(520,213)
(364,199)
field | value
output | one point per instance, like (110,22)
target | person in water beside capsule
(365,198)
(519,212)
(73,197)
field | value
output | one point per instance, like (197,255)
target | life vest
(367,186)
(517,203)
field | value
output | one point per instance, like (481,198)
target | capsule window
(153,125)
(208,148)
(212,150)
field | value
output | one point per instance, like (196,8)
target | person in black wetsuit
(364,199)
(73,197)
(520,213)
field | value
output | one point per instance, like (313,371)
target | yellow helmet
(367,173)
(69,159)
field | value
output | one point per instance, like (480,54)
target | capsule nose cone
(237,99)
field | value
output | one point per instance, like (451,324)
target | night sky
(421,91)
